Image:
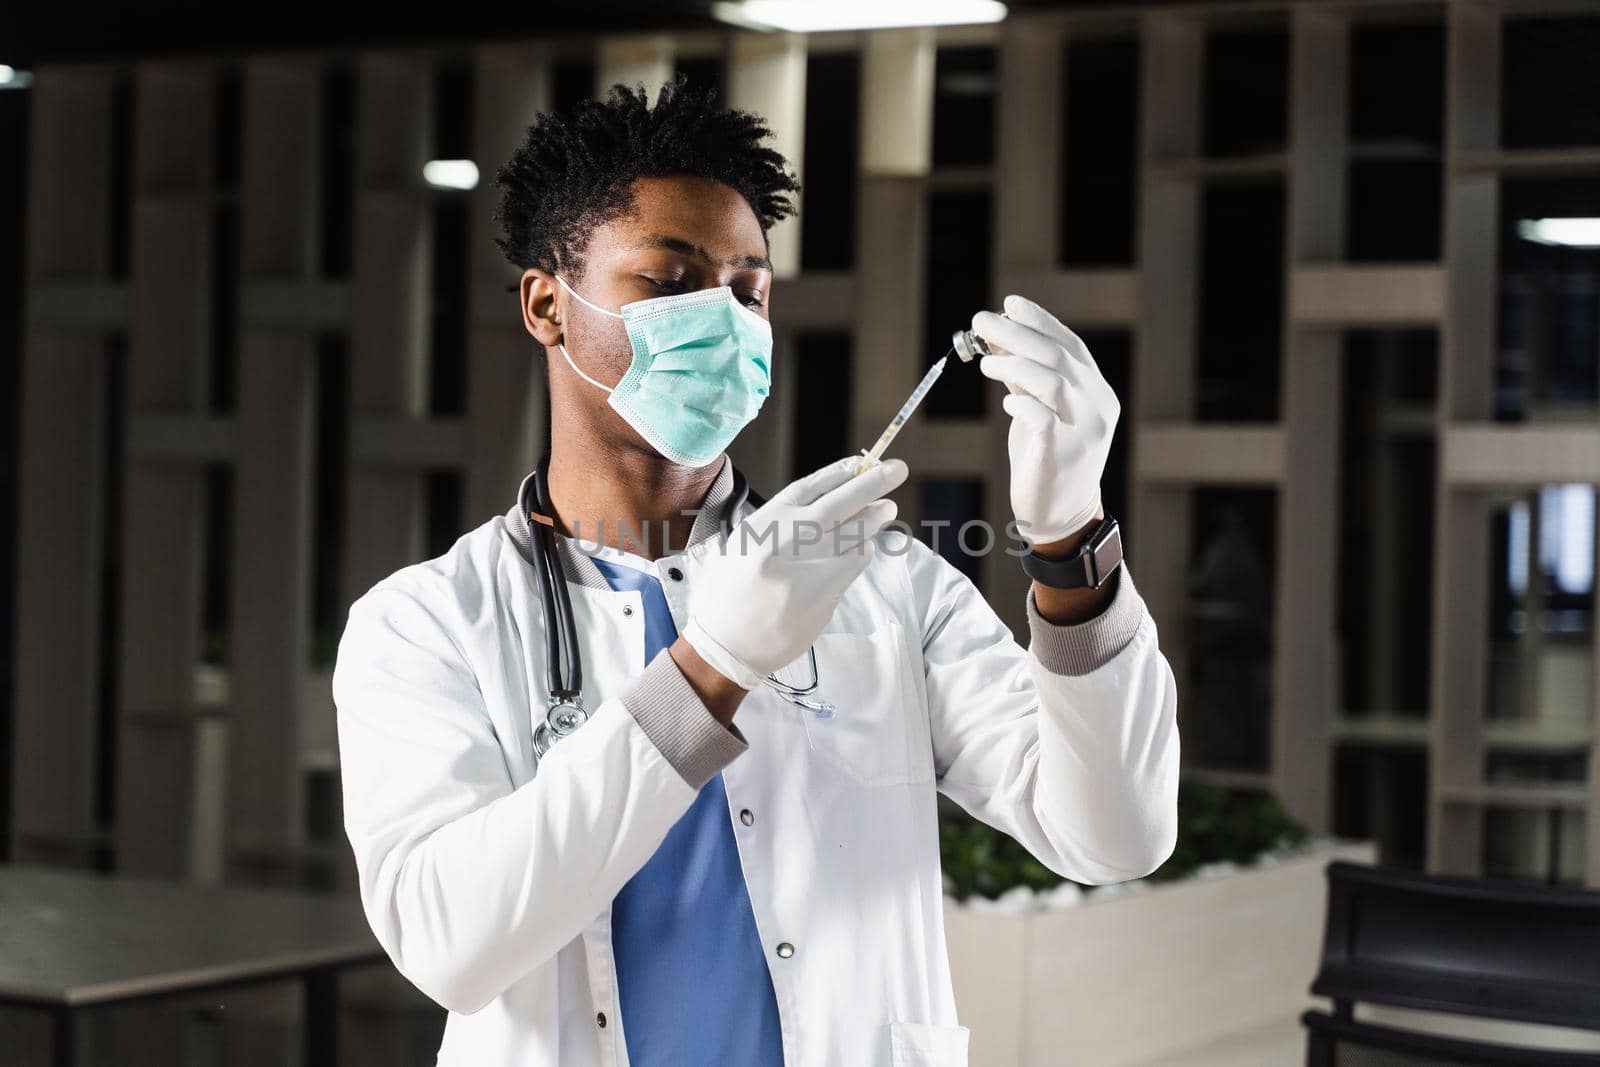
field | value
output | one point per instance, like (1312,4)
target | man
(726,864)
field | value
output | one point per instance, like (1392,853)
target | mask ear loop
(590,303)
(580,373)
(563,347)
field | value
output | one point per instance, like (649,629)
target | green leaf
(1215,824)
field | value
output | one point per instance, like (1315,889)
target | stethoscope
(564,711)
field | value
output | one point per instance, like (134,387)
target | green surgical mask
(702,366)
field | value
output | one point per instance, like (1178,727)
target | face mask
(700,372)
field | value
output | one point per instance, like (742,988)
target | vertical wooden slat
(1028,161)
(765,450)
(1164,345)
(767,75)
(389,306)
(60,478)
(1319,63)
(896,153)
(1466,364)
(162,504)
(1305,597)
(505,370)
(897,103)
(273,478)
(1592,815)
(1026,209)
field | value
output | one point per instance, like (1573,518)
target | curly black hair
(574,170)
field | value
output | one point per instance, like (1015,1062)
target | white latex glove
(761,600)
(1062,416)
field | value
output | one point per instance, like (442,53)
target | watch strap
(1088,568)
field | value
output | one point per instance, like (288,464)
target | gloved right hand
(761,601)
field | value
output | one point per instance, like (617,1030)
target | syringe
(873,454)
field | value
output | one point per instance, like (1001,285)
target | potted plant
(1211,956)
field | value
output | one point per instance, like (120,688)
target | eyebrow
(689,248)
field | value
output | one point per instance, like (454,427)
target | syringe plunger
(871,455)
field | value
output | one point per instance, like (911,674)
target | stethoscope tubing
(563,662)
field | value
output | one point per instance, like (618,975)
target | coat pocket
(927,1045)
(878,732)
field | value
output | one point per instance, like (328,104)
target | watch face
(1107,552)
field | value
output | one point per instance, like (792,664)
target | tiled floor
(1279,1043)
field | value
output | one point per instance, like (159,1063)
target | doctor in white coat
(713,869)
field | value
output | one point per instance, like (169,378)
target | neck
(627,498)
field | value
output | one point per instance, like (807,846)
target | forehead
(699,211)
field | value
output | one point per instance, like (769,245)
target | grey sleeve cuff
(1079,648)
(677,722)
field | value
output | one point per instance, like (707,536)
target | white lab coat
(490,886)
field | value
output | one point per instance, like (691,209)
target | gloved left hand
(1062,413)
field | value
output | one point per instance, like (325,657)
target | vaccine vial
(970,346)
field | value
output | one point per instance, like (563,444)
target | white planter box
(1184,972)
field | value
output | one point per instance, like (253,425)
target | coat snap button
(785,949)
(627,609)
(675,574)
(600,1019)
(747,816)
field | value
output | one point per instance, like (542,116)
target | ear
(541,311)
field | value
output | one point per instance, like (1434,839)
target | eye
(750,300)
(666,285)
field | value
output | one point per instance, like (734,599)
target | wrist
(1063,547)
(718,656)
(1075,605)
(1070,607)
(720,694)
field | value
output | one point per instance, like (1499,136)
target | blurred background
(1341,261)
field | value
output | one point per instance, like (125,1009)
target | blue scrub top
(691,974)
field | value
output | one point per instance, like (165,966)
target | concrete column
(897,103)
(1466,368)
(1028,146)
(767,75)
(765,450)
(61,476)
(891,231)
(1592,816)
(60,552)
(273,479)
(646,60)
(1027,195)
(1304,670)
(1305,597)
(1319,61)
(892,234)
(506,428)
(389,305)
(1164,343)
(160,533)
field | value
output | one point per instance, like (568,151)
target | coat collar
(575,553)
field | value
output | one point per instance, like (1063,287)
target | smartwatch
(1088,568)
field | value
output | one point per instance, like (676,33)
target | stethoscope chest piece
(563,717)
